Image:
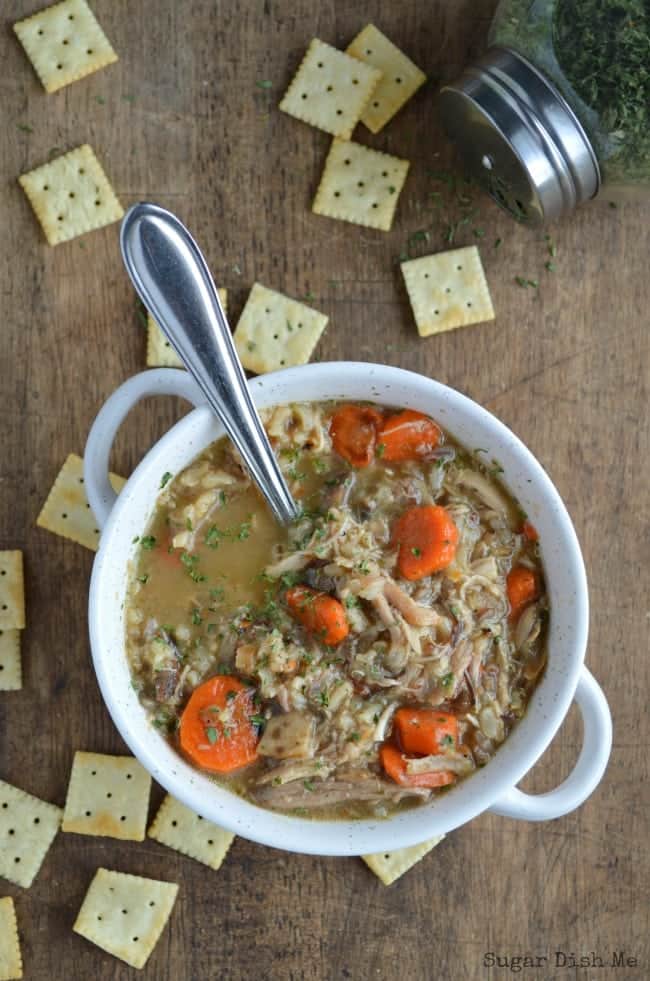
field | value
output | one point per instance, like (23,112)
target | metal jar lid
(520,138)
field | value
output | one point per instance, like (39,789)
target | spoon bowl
(173,281)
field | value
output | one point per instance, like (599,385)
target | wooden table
(182,120)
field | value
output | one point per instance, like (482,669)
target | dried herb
(603,46)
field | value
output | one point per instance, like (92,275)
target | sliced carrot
(426,731)
(427,538)
(353,429)
(320,614)
(521,584)
(216,731)
(409,435)
(530,532)
(394,763)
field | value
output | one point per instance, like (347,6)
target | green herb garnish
(603,47)
(212,735)
(166,477)
(148,542)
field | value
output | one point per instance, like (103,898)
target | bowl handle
(588,771)
(160,381)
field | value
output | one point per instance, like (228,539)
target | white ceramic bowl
(491,788)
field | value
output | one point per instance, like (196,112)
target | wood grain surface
(181,120)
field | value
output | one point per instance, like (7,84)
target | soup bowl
(121,519)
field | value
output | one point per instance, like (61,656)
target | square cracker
(330,90)
(71,195)
(400,77)
(360,185)
(107,795)
(11,962)
(28,826)
(160,353)
(448,290)
(66,511)
(125,914)
(389,866)
(11,678)
(64,43)
(275,331)
(181,829)
(12,591)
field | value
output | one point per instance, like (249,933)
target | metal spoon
(174,283)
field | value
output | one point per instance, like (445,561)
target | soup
(363,660)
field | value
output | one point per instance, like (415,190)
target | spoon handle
(174,283)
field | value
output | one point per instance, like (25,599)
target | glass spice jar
(558,107)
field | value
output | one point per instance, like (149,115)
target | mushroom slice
(289,736)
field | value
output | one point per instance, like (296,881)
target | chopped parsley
(190,562)
(196,618)
(166,477)
(308,785)
(148,542)
(417,552)
(144,578)
(420,236)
